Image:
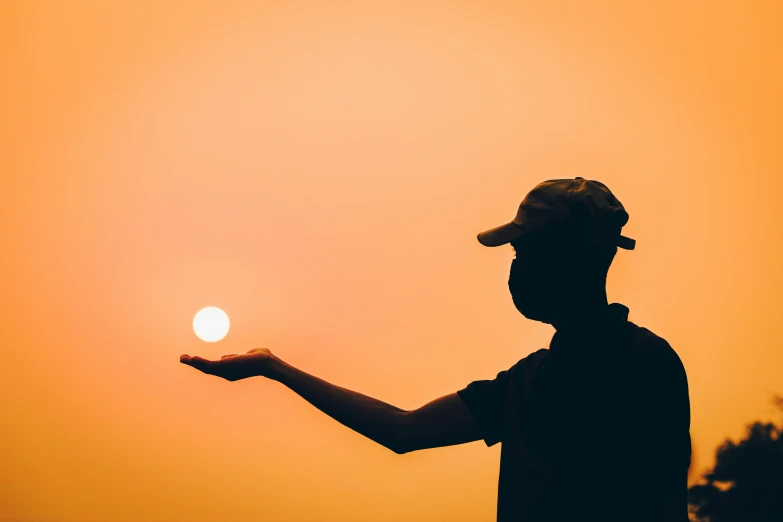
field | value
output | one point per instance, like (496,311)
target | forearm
(376,420)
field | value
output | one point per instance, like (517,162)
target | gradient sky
(320,172)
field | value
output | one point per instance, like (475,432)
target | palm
(232,367)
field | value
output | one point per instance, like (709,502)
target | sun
(211,324)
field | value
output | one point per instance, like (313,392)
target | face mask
(533,291)
(513,274)
(521,284)
(520,271)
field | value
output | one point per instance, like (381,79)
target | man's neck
(584,317)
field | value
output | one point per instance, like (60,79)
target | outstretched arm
(443,422)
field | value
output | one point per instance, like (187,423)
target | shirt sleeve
(669,425)
(670,408)
(487,401)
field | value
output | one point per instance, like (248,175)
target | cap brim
(500,235)
(626,242)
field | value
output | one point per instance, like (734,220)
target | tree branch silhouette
(746,483)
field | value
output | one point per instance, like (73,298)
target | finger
(198,363)
(229,355)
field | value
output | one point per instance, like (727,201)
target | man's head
(550,279)
(565,235)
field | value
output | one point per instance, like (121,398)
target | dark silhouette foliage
(746,483)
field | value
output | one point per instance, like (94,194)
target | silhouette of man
(595,427)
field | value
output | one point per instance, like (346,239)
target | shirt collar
(597,327)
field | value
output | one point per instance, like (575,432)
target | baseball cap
(585,208)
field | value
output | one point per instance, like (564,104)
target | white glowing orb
(211,324)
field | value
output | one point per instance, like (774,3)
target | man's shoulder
(527,366)
(654,348)
(533,357)
(647,339)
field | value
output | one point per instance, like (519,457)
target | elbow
(401,437)
(401,444)
(400,448)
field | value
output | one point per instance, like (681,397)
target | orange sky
(320,172)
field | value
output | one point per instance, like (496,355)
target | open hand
(233,367)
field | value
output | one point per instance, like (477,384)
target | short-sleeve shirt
(596,427)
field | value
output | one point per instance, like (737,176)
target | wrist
(274,368)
